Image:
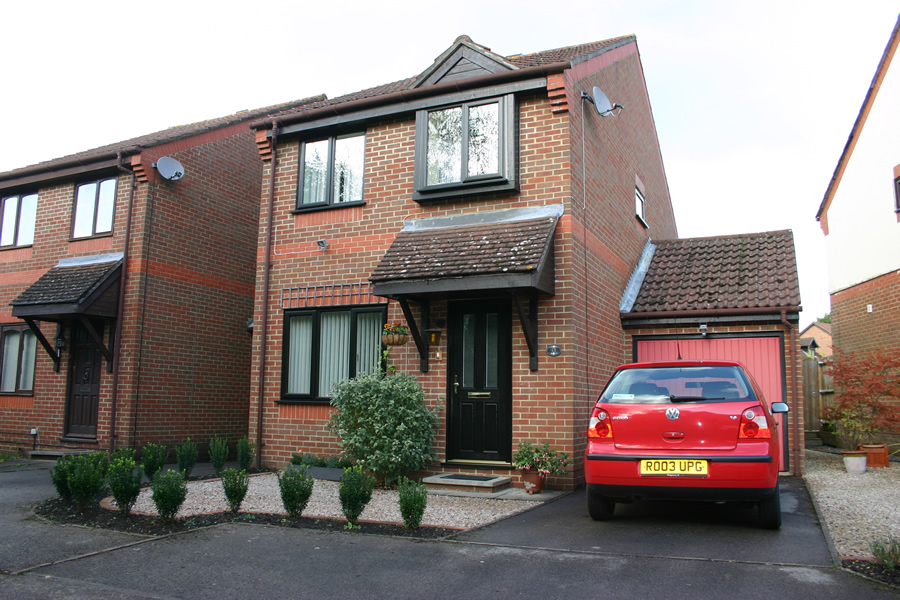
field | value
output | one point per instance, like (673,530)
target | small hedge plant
(87,477)
(311,460)
(244,453)
(887,552)
(169,493)
(153,458)
(413,501)
(187,454)
(124,478)
(355,492)
(296,487)
(59,475)
(218,454)
(235,484)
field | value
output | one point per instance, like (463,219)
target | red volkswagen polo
(685,430)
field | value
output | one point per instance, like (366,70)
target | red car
(685,430)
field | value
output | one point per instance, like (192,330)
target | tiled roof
(756,270)
(66,284)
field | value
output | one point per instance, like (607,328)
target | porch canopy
(496,253)
(80,289)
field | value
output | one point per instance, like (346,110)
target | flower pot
(854,461)
(876,455)
(394,339)
(533,481)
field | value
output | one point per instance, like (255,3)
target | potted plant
(536,462)
(394,334)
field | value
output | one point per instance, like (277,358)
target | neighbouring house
(817,336)
(126,286)
(860,217)
(497,206)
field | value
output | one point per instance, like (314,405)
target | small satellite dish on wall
(604,107)
(169,168)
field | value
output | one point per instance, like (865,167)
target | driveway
(554,551)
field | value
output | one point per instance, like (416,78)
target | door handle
(456,384)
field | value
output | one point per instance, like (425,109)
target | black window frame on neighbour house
(331,194)
(640,205)
(14,233)
(24,381)
(897,194)
(87,206)
(465,181)
(298,374)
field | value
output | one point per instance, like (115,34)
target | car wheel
(769,511)
(600,507)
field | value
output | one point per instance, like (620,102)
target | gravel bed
(263,496)
(857,508)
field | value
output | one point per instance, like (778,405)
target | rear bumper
(704,494)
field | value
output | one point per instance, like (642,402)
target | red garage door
(762,356)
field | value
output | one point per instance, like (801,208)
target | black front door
(84,384)
(480,382)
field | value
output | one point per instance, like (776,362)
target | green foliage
(309,459)
(825,319)
(887,553)
(218,454)
(235,484)
(87,476)
(153,458)
(541,459)
(296,487)
(169,493)
(355,492)
(187,454)
(59,475)
(124,479)
(383,423)
(244,453)
(413,501)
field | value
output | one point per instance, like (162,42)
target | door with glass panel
(480,382)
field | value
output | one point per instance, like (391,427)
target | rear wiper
(694,398)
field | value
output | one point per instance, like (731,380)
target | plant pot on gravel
(854,461)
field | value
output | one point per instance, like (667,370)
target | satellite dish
(170,169)
(601,101)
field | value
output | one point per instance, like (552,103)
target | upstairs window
(897,195)
(18,218)
(639,203)
(466,148)
(95,205)
(331,171)
(18,345)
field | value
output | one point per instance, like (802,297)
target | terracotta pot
(876,455)
(534,482)
(394,339)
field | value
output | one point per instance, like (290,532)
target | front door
(480,382)
(84,384)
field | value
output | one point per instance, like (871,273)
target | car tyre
(769,511)
(600,507)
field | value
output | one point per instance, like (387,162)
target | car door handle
(673,435)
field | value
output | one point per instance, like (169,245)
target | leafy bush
(59,475)
(296,487)
(86,477)
(235,484)
(218,454)
(153,458)
(187,454)
(307,459)
(124,478)
(244,453)
(383,423)
(413,501)
(169,492)
(355,492)
(887,553)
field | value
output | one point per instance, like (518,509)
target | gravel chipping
(263,496)
(857,508)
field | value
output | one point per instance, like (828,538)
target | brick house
(817,336)
(860,217)
(126,290)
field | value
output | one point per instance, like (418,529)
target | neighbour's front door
(480,382)
(84,384)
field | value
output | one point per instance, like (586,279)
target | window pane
(334,350)
(444,146)
(106,205)
(27,218)
(29,346)
(368,341)
(8,227)
(491,337)
(349,155)
(299,368)
(468,351)
(315,172)
(84,210)
(10,361)
(484,140)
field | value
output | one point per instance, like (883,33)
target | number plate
(674,466)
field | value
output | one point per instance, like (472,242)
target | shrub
(124,478)
(235,484)
(296,487)
(887,553)
(169,492)
(383,423)
(218,454)
(307,459)
(87,476)
(244,453)
(186,454)
(153,458)
(59,475)
(413,501)
(355,492)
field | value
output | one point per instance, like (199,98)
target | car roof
(682,363)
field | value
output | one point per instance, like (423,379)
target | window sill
(642,221)
(320,401)
(79,440)
(320,207)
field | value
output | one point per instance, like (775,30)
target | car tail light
(600,426)
(754,425)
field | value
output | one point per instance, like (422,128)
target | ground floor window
(19,346)
(323,347)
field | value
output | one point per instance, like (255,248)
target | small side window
(639,206)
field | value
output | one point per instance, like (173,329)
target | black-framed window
(326,346)
(897,194)
(18,215)
(466,148)
(331,171)
(95,206)
(18,351)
